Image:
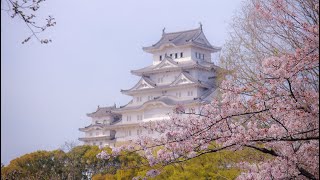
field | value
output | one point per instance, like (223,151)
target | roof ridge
(196,36)
(182,31)
(182,73)
(148,80)
(168,58)
(186,74)
(106,109)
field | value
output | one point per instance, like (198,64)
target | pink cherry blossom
(277,114)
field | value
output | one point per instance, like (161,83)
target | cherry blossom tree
(276,112)
(253,39)
(26,11)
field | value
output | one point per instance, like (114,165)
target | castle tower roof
(102,112)
(194,37)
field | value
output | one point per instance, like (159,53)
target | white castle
(181,73)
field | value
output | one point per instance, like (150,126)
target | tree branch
(264,150)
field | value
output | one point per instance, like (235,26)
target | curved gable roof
(186,78)
(168,62)
(144,83)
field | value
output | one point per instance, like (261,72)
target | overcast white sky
(46,90)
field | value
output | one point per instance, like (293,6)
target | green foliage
(220,166)
(39,164)
(56,165)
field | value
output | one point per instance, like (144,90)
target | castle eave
(85,139)
(208,66)
(163,100)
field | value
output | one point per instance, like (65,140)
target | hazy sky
(46,90)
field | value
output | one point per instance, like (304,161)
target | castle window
(160,58)
(176,55)
(100,143)
(191,110)
(150,97)
(178,94)
(190,93)
(90,134)
(139,99)
(160,80)
(171,55)
(128,118)
(139,131)
(181,54)
(199,55)
(128,133)
(139,117)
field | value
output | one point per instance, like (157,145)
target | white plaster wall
(87,134)
(136,102)
(133,115)
(207,54)
(101,132)
(168,77)
(101,120)
(122,137)
(144,98)
(203,75)
(149,113)
(152,95)
(97,143)
(156,112)
(122,134)
(172,50)
(184,93)
(171,92)
(134,134)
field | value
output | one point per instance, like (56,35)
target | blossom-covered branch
(25,10)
